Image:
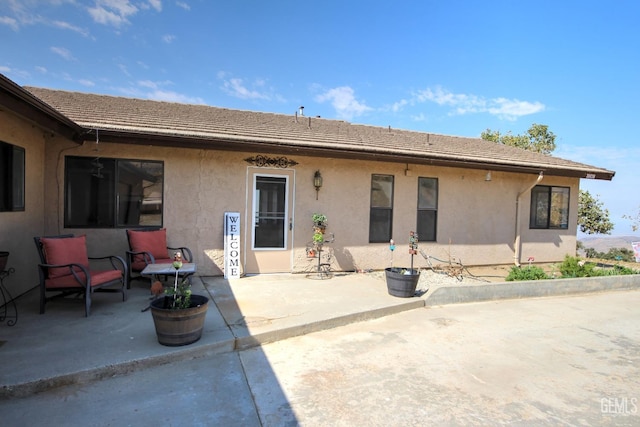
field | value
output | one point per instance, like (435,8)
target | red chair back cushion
(65,251)
(154,242)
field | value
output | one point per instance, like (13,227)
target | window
(106,193)
(427,209)
(381,213)
(11,177)
(549,207)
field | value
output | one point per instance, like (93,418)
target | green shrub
(574,267)
(530,272)
(616,270)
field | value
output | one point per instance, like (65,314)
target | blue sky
(449,67)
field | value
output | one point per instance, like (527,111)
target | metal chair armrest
(186,252)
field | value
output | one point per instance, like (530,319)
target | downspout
(516,245)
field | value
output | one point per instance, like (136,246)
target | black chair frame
(187,256)
(85,289)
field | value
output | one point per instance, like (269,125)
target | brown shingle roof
(138,121)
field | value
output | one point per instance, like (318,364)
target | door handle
(290,224)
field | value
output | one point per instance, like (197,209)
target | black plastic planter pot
(402,282)
(179,327)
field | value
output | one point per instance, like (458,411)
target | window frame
(544,207)
(422,235)
(375,211)
(12,177)
(112,192)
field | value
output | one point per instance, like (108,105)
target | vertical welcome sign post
(231,245)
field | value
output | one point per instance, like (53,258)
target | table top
(151,269)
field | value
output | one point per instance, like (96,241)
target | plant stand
(323,270)
(182,326)
(402,282)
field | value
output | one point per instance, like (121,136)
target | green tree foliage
(592,217)
(538,138)
(614,254)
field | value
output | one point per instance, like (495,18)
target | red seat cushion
(154,242)
(65,250)
(97,278)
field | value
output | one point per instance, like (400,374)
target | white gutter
(516,245)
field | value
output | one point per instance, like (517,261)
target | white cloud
(157,91)
(170,96)
(9,22)
(85,82)
(511,109)
(156,4)
(344,102)
(64,53)
(237,88)
(183,5)
(124,70)
(460,103)
(168,38)
(112,12)
(67,26)
(154,85)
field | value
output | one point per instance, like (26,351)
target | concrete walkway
(63,347)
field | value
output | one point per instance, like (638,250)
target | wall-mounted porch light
(317,182)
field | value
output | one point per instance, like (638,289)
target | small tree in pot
(402,282)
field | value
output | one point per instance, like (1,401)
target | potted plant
(319,228)
(402,282)
(319,222)
(178,314)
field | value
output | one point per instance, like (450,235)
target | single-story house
(97,165)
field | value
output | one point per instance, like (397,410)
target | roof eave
(275,147)
(17,100)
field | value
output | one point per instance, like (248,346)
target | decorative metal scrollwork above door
(271,162)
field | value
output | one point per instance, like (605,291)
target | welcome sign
(231,245)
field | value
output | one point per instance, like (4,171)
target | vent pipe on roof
(301,110)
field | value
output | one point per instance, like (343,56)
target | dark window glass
(549,207)
(427,209)
(381,212)
(103,193)
(270,218)
(12,174)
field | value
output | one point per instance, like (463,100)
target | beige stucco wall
(476,218)
(18,228)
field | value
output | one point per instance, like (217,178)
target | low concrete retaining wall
(528,289)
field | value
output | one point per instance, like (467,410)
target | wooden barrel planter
(182,326)
(402,282)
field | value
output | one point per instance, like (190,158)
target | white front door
(270,221)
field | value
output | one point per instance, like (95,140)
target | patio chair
(149,246)
(65,270)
